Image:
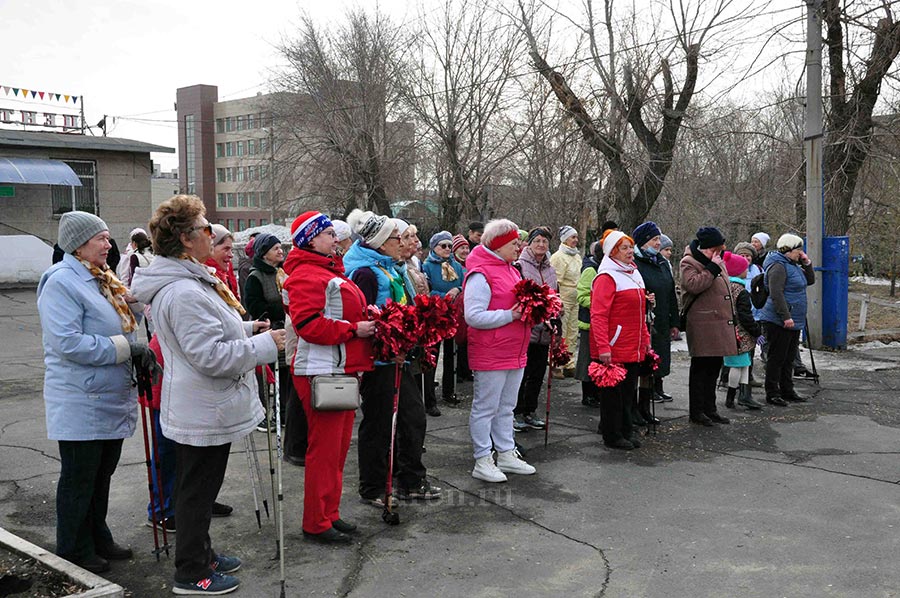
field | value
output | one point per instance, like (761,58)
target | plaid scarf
(221,288)
(114,291)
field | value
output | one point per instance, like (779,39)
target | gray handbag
(335,393)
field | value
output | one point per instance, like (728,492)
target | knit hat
(372,228)
(248,248)
(611,240)
(566,232)
(341,229)
(476,226)
(458,242)
(523,234)
(77,228)
(539,231)
(440,237)
(745,246)
(762,238)
(264,242)
(307,226)
(401,225)
(710,236)
(221,233)
(735,264)
(608,225)
(644,233)
(664,242)
(788,242)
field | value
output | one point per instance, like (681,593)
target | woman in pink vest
(498,349)
(619,334)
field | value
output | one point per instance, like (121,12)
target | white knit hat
(788,242)
(566,232)
(374,229)
(611,239)
(762,238)
(341,229)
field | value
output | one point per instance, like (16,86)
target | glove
(556,326)
(143,357)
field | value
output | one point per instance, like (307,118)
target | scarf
(221,288)
(114,291)
(569,250)
(448,274)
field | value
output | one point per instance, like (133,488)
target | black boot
(729,397)
(745,398)
(636,420)
(659,395)
(644,397)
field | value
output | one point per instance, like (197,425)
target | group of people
(306,315)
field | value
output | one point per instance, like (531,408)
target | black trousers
(783,348)
(702,379)
(462,361)
(296,433)
(199,471)
(377,391)
(532,379)
(82,496)
(448,380)
(615,406)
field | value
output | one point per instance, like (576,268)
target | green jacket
(583,293)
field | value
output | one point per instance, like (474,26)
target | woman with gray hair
(498,350)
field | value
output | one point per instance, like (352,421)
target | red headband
(498,242)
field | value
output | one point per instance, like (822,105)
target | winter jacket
(657,275)
(583,291)
(619,313)
(209,393)
(87,359)
(138,259)
(787,282)
(496,341)
(432,269)
(324,307)
(706,295)
(748,328)
(568,271)
(262,296)
(541,273)
(226,275)
(374,273)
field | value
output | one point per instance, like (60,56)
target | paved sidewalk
(799,501)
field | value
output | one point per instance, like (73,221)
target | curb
(98,587)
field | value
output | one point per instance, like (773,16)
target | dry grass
(879,317)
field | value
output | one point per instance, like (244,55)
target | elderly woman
(89,323)
(658,282)
(343,234)
(334,338)
(222,258)
(619,334)
(567,263)
(370,263)
(787,273)
(498,350)
(209,392)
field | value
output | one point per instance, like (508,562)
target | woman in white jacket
(209,394)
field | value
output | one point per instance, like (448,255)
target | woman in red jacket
(619,334)
(328,312)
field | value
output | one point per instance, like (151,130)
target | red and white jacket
(618,313)
(324,306)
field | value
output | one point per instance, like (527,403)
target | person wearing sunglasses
(445,275)
(209,394)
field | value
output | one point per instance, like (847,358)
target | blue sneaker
(225,564)
(213,585)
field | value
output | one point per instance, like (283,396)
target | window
(229,149)
(240,224)
(263,198)
(65,199)
(229,224)
(220,150)
(220,202)
(252,173)
(229,124)
(251,222)
(253,200)
(231,200)
(220,175)
(240,148)
(240,174)
(251,147)
(220,125)
(240,123)
(229,174)
(263,221)
(242,200)
(251,124)
(190,153)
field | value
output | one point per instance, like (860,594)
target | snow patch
(283,233)
(874,345)
(871,280)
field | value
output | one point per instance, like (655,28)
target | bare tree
(342,117)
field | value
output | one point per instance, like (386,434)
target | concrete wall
(123,194)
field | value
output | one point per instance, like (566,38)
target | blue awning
(32,171)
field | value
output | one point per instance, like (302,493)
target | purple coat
(541,273)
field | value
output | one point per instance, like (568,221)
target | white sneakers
(507,462)
(511,462)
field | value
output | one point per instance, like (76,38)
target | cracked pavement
(798,501)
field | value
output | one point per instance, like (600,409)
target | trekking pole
(279,508)
(388,515)
(156,549)
(271,448)
(252,480)
(145,389)
(549,386)
(262,492)
(812,360)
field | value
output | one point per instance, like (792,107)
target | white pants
(495,395)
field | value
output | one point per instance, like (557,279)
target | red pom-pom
(396,330)
(559,352)
(653,358)
(606,375)
(437,319)
(539,302)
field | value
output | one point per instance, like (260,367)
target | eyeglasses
(207,228)
(445,245)
(394,238)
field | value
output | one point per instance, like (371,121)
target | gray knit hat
(664,242)
(438,237)
(77,228)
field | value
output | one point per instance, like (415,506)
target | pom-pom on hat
(735,264)
(789,242)
(611,240)
(709,237)
(761,237)
(458,242)
(566,232)
(644,233)
(439,237)
(373,229)
(264,242)
(77,228)
(307,226)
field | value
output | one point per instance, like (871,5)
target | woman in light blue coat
(88,320)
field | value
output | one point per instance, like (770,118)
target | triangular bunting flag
(67,98)
(33,93)
(74,99)
(24,93)
(57,97)
(15,91)
(41,93)
(5,90)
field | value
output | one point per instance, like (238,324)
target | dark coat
(707,297)
(658,280)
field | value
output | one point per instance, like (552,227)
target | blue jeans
(166,451)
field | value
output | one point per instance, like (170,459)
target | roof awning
(33,171)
